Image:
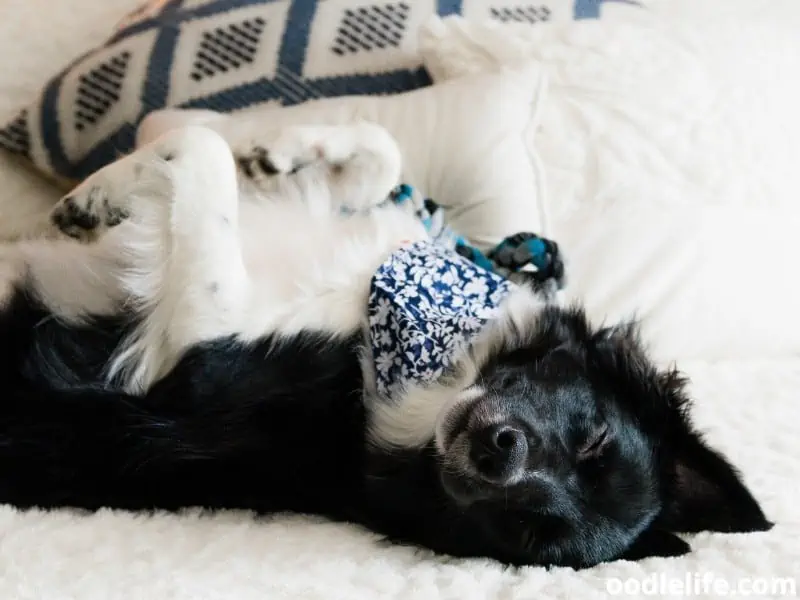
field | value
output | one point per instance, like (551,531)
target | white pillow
(464,143)
(671,148)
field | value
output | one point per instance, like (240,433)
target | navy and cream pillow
(232,54)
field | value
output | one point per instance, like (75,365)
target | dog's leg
(357,164)
(178,197)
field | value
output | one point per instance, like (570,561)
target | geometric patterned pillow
(232,54)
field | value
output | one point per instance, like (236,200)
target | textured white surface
(750,406)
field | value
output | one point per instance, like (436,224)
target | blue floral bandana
(426,303)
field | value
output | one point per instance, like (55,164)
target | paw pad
(72,217)
(82,215)
(257,162)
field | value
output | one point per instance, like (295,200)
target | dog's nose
(499,452)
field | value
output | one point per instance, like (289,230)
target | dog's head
(553,443)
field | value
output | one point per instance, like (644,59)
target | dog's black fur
(280,425)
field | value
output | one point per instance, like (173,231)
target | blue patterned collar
(426,303)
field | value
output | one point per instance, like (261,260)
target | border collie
(188,328)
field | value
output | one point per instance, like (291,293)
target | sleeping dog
(196,325)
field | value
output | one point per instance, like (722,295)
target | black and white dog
(187,328)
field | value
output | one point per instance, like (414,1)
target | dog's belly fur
(314,271)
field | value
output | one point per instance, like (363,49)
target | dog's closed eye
(595,442)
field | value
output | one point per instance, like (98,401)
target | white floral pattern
(426,303)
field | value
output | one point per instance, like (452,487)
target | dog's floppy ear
(700,489)
(656,542)
(704,492)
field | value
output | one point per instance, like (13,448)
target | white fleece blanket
(749,407)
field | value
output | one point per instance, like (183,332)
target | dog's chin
(464,489)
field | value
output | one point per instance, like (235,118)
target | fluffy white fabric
(749,405)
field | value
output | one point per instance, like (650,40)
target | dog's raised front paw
(291,149)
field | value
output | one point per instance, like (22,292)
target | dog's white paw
(291,150)
(88,212)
